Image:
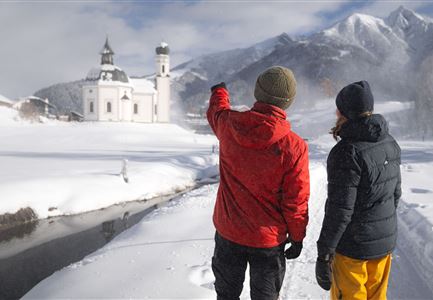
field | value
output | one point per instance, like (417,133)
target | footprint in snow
(420,191)
(202,275)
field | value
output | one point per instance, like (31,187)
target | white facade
(163,86)
(110,95)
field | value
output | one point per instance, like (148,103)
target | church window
(90,91)
(156,109)
(91,107)
(163,69)
(108,107)
(135,108)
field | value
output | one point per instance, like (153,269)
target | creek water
(33,251)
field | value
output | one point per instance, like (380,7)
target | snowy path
(168,255)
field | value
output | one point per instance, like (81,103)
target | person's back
(257,151)
(359,229)
(264,188)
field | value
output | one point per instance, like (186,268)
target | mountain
(65,96)
(387,52)
(384,51)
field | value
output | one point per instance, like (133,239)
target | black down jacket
(364,185)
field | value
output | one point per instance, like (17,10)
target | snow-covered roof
(143,86)
(5,100)
(107,73)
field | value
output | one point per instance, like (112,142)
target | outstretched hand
(294,250)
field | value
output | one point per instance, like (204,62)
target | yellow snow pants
(354,279)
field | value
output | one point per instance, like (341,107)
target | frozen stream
(168,254)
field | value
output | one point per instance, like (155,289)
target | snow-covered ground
(168,256)
(75,167)
(66,168)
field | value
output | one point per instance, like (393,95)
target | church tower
(162,82)
(107,91)
(107,54)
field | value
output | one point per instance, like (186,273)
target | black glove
(219,85)
(324,272)
(294,250)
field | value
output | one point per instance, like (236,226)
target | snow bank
(67,168)
(168,256)
(8,116)
(416,209)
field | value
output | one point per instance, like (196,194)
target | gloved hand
(219,85)
(324,272)
(294,250)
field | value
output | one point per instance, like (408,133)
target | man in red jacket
(262,200)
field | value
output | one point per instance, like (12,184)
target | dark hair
(335,131)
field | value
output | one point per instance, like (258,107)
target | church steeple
(107,54)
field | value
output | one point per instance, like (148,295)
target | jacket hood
(260,127)
(371,129)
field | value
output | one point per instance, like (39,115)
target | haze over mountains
(393,54)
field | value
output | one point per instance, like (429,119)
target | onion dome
(162,49)
(107,73)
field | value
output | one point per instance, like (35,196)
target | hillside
(387,52)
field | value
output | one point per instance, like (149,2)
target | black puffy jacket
(364,185)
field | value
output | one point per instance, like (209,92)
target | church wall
(145,107)
(126,113)
(163,109)
(109,95)
(90,94)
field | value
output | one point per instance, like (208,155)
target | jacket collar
(371,129)
(269,109)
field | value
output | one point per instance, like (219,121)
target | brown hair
(335,131)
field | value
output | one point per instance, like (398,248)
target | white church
(110,95)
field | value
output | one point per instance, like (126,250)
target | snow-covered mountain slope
(65,96)
(358,47)
(370,34)
(213,66)
(386,52)
(414,29)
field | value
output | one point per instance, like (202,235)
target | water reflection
(17,231)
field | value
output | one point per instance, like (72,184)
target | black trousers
(229,263)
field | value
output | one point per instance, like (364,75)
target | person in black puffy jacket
(359,229)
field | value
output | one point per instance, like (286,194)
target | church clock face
(106,76)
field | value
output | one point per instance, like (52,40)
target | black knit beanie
(355,99)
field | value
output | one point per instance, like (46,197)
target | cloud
(45,43)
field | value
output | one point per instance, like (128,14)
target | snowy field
(75,167)
(168,255)
(62,168)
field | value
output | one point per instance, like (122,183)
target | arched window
(135,108)
(91,107)
(163,69)
(108,107)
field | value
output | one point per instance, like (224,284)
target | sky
(48,42)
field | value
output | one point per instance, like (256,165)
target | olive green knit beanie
(276,86)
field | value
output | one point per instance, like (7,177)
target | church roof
(107,73)
(143,86)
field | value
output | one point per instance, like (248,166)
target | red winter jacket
(265,186)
